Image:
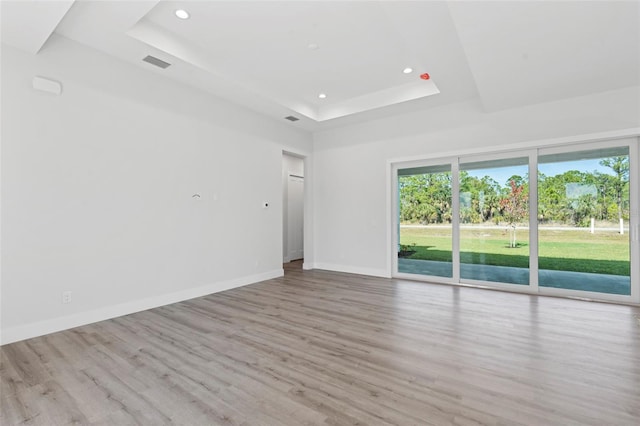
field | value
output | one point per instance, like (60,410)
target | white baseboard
(27,331)
(352,269)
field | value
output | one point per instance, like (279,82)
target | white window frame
(532,153)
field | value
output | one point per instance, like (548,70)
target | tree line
(570,198)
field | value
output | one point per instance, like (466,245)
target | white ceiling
(255,53)
(41,18)
(531,52)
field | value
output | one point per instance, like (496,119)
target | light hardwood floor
(328,348)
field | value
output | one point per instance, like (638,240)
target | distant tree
(605,183)
(620,166)
(479,198)
(554,203)
(514,209)
(584,209)
(425,198)
(519,180)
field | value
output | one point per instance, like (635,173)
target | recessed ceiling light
(322,95)
(313,46)
(407,70)
(182,14)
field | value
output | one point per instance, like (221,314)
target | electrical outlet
(66,297)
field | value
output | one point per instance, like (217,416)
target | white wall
(97,184)
(290,165)
(351,205)
(97,189)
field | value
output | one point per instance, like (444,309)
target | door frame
(308,226)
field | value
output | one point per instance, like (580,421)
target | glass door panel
(494,220)
(583,216)
(425,216)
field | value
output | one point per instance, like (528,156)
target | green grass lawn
(605,252)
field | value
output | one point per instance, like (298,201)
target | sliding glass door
(494,220)
(560,220)
(425,217)
(583,213)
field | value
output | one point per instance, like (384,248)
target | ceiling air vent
(157,62)
(291,118)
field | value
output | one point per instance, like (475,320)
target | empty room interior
(320,212)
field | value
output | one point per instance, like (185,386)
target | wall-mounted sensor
(47,85)
(265,204)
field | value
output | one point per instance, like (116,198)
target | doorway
(292,208)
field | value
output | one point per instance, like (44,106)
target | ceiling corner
(28,24)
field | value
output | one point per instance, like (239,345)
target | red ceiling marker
(425,76)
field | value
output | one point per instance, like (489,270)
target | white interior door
(295,215)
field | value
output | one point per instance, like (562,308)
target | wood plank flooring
(323,348)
